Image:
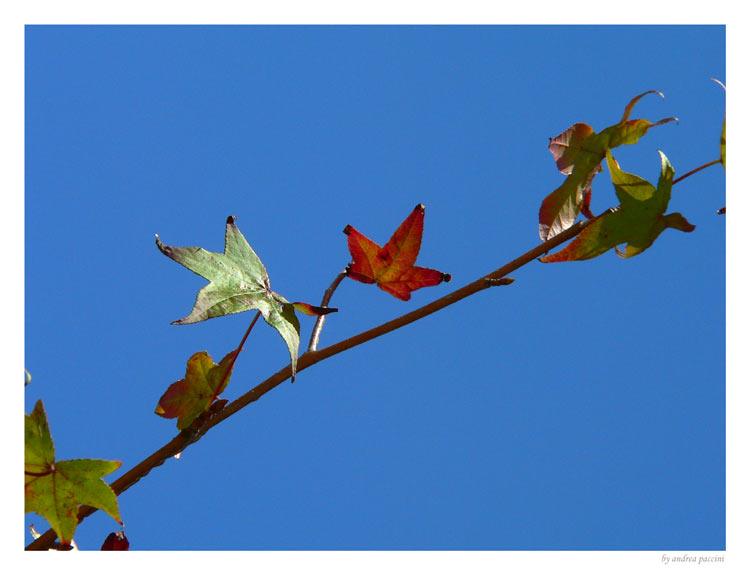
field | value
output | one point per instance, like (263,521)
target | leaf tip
(348,229)
(231,220)
(678,222)
(420,207)
(445,277)
(313,310)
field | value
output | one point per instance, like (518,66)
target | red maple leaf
(392,266)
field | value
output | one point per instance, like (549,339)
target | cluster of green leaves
(579,152)
(637,222)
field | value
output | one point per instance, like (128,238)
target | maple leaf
(238,282)
(55,489)
(204,380)
(637,222)
(392,266)
(578,153)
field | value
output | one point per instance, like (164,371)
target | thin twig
(237,353)
(322,318)
(698,169)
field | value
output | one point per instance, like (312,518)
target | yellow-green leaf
(637,222)
(55,489)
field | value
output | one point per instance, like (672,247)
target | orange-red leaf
(392,266)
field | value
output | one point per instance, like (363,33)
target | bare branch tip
(491,282)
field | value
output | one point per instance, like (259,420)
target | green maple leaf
(55,489)
(204,381)
(637,222)
(239,282)
(578,153)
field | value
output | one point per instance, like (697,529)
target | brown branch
(189,436)
(696,170)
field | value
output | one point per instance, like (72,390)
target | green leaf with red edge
(238,282)
(637,222)
(392,266)
(578,153)
(204,380)
(55,489)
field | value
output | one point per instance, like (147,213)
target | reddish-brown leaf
(116,542)
(566,147)
(392,266)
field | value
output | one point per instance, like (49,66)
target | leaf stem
(185,438)
(698,169)
(315,337)
(236,354)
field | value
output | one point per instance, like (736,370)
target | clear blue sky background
(583,407)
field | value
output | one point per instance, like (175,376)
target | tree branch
(324,303)
(189,436)
(696,170)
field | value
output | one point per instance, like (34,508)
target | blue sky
(581,408)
